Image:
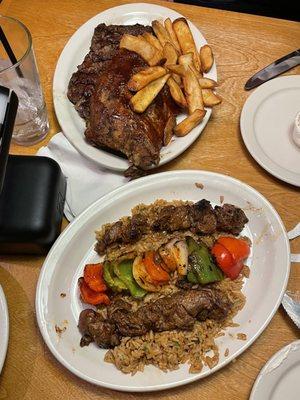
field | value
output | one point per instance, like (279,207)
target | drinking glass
(18,71)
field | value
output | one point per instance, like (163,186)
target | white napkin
(86,181)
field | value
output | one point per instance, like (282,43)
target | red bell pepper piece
(89,296)
(230,254)
(93,277)
(238,248)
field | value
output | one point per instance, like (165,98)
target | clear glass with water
(18,71)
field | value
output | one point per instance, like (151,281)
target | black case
(31,205)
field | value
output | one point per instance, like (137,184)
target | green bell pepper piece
(191,277)
(124,272)
(201,263)
(111,279)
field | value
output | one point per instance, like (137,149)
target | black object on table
(286,9)
(33,193)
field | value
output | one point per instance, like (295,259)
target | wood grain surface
(242,45)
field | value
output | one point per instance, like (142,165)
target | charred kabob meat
(178,311)
(200,218)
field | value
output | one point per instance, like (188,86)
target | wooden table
(242,44)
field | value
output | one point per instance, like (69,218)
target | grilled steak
(200,218)
(178,311)
(99,91)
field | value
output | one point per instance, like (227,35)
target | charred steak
(178,311)
(99,91)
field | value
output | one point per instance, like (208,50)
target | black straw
(10,52)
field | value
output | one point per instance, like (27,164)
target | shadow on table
(22,347)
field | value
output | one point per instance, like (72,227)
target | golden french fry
(206,58)
(170,54)
(188,59)
(210,98)
(176,93)
(207,83)
(161,32)
(186,40)
(140,46)
(142,78)
(172,34)
(152,40)
(169,128)
(177,69)
(143,98)
(192,91)
(177,79)
(189,123)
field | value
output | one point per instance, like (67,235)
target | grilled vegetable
(238,248)
(93,277)
(192,277)
(142,277)
(175,256)
(89,296)
(157,274)
(112,281)
(230,254)
(201,263)
(124,272)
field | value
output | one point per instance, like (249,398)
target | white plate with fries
(77,47)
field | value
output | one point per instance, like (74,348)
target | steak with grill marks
(99,91)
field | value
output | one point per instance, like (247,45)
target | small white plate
(280,377)
(267,123)
(4,328)
(269,265)
(73,126)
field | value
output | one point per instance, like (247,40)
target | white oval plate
(269,264)
(4,327)
(279,378)
(73,126)
(267,124)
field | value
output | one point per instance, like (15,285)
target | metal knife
(276,68)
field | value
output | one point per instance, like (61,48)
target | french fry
(189,123)
(161,32)
(206,58)
(143,98)
(177,93)
(169,129)
(210,99)
(188,59)
(207,83)
(152,40)
(170,53)
(172,34)
(177,79)
(177,69)
(186,40)
(140,46)
(142,78)
(192,91)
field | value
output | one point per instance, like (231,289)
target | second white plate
(279,378)
(72,124)
(267,124)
